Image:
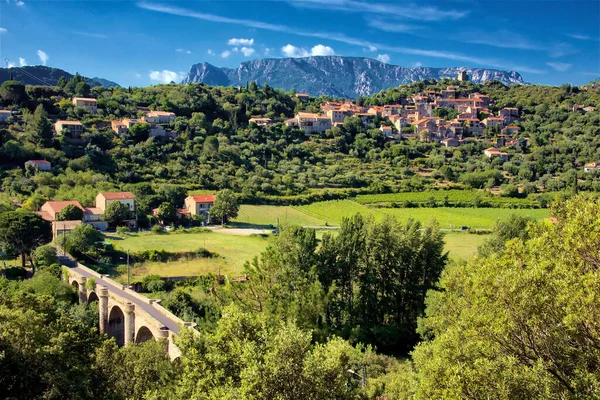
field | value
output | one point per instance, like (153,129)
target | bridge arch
(143,335)
(116,325)
(92,297)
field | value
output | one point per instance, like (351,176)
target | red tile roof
(38,162)
(117,195)
(45,215)
(204,198)
(57,206)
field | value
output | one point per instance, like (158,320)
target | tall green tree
(226,206)
(521,324)
(40,128)
(246,357)
(13,91)
(167,213)
(70,213)
(115,213)
(82,89)
(24,231)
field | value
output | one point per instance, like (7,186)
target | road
(117,290)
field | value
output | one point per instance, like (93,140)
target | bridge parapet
(125,314)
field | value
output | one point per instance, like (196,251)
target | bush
(157,230)
(153,283)
(90,283)
(122,230)
(15,273)
(45,256)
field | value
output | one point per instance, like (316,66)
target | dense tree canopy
(524,321)
(70,213)
(217,149)
(23,231)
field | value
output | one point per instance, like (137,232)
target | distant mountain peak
(335,75)
(42,75)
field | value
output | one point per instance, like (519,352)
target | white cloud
(338,37)
(210,52)
(391,27)
(138,75)
(292,51)
(20,3)
(410,10)
(417,64)
(165,76)
(384,58)
(183,51)
(267,51)
(240,42)
(22,62)
(320,50)
(372,48)
(562,67)
(43,56)
(247,51)
(235,49)
(10,65)
(582,37)
(3,30)
(225,54)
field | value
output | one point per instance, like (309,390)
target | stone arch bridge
(127,316)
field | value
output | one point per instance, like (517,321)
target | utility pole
(128,273)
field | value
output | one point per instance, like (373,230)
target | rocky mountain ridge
(334,75)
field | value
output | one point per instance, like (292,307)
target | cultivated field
(267,215)
(333,212)
(235,250)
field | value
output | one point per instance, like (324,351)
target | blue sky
(146,42)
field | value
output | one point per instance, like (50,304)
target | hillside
(335,76)
(47,76)
(594,82)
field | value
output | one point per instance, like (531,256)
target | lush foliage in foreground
(521,323)
(517,322)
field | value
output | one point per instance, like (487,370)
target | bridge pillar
(129,323)
(103,309)
(163,334)
(82,290)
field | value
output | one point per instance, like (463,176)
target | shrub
(122,230)
(45,256)
(157,230)
(15,273)
(153,283)
(90,283)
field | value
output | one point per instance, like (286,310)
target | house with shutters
(199,204)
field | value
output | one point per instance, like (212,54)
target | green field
(457,198)
(463,245)
(267,215)
(233,250)
(333,212)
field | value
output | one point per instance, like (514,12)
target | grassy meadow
(333,212)
(235,250)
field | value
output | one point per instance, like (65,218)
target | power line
(32,76)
